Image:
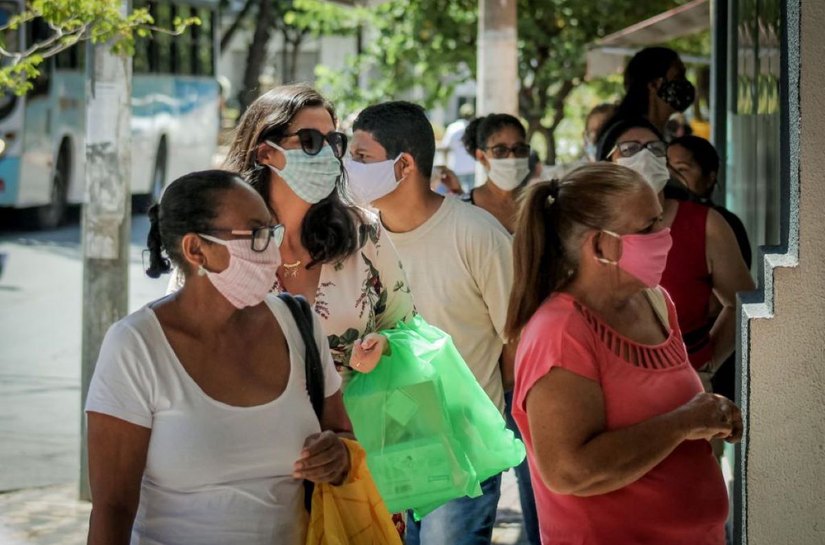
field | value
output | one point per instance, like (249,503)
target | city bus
(175,113)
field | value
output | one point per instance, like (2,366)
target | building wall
(783,458)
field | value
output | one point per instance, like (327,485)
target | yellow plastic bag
(352,513)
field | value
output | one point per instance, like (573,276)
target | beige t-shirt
(459,265)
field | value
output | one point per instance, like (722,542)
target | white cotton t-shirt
(460,267)
(215,473)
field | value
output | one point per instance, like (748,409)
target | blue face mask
(311,177)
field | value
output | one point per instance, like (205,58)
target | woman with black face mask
(655,88)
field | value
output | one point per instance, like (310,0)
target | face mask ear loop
(604,259)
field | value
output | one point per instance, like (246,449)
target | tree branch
(236,24)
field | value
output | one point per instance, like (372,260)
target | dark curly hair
(481,129)
(331,230)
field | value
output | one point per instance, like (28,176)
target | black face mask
(678,93)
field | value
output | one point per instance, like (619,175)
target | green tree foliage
(71,22)
(430,45)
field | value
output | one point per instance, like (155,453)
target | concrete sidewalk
(52,515)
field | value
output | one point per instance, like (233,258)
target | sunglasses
(501,151)
(632,147)
(260,237)
(312,140)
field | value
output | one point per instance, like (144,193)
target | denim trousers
(463,521)
(525,485)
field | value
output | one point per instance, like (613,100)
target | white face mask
(509,173)
(369,182)
(653,169)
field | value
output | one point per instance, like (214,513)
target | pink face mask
(250,274)
(643,256)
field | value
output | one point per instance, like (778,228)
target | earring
(201,270)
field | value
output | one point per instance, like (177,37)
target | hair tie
(553,194)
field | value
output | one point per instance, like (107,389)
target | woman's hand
(711,416)
(324,459)
(367,352)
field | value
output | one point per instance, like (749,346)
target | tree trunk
(559,101)
(236,24)
(258,50)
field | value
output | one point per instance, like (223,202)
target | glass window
(184,58)
(205,34)
(164,52)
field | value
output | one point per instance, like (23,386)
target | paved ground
(40,311)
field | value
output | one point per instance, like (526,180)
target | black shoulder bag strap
(303,316)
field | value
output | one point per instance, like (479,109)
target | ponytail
(552,223)
(537,254)
(158,264)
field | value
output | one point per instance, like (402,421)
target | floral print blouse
(364,293)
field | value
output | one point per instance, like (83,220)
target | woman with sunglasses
(499,143)
(334,253)
(200,427)
(704,261)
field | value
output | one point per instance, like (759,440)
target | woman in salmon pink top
(616,424)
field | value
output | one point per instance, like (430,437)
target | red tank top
(688,281)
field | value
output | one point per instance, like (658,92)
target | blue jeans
(464,521)
(525,485)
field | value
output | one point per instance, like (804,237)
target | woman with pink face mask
(705,264)
(201,429)
(614,417)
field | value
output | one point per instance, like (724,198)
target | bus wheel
(52,215)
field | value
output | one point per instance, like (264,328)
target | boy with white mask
(459,264)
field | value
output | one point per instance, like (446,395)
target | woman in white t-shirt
(200,425)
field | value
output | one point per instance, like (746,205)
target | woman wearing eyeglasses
(499,143)
(334,253)
(704,260)
(200,427)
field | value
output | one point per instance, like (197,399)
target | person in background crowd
(200,428)
(335,254)
(694,162)
(459,262)
(655,88)
(612,413)
(593,124)
(458,160)
(496,137)
(704,262)
(499,143)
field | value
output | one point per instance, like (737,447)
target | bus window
(183,44)
(39,31)
(205,64)
(141,62)
(163,42)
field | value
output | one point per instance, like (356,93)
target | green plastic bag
(430,432)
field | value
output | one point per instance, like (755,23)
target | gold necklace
(291,269)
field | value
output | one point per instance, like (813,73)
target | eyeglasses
(259,237)
(500,151)
(312,140)
(632,147)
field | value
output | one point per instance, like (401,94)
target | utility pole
(497,77)
(106,211)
